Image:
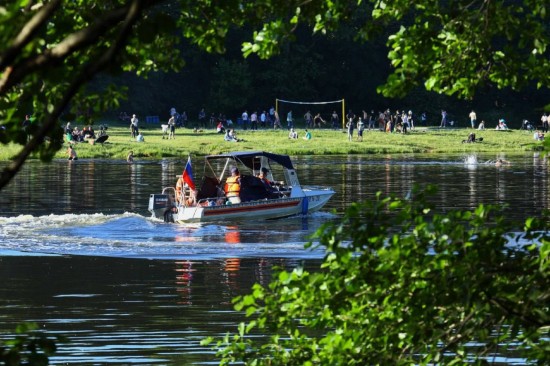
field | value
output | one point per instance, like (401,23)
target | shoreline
(324,142)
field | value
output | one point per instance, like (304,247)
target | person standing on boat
(233,186)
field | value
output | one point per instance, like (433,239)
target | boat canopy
(247,158)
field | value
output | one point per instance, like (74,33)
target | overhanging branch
(134,12)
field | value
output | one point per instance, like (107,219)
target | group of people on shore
(74,135)
(267,118)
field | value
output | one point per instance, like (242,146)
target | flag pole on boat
(187,174)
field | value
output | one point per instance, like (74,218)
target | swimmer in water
(501,162)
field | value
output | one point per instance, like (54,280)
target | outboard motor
(160,206)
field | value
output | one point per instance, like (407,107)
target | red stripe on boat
(252,206)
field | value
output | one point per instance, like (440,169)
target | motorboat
(268,189)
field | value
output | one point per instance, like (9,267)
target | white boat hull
(257,210)
(262,196)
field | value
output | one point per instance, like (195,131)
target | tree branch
(134,12)
(28,31)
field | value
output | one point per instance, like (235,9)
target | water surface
(80,255)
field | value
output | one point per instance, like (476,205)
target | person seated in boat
(179,190)
(263,177)
(233,186)
(191,200)
(269,185)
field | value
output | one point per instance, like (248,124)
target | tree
(400,285)
(232,85)
(52,49)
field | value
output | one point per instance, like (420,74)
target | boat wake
(134,236)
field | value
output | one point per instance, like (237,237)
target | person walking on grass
(350,127)
(171,127)
(443,119)
(134,130)
(473,118)
(360,129)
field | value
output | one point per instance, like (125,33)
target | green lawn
(422,140)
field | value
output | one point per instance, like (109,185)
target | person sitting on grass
(501,126)
(307,136)
(293,135)
(230,136)
(220,128)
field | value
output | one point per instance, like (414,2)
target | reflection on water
(128,310)
(80,255)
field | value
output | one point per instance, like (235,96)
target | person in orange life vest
(233,186)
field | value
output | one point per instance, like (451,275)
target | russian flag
(188,175)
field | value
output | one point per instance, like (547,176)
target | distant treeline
(312,68)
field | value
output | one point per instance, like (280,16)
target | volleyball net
(281,103)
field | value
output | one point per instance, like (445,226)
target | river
(80,256)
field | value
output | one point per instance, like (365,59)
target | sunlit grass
(324,142)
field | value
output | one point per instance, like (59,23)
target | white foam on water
(133,235)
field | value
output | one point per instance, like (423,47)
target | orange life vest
(232,186)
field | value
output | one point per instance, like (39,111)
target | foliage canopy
(415,298)
(400,285)
(52,49)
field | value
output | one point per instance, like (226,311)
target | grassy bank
(422,140)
